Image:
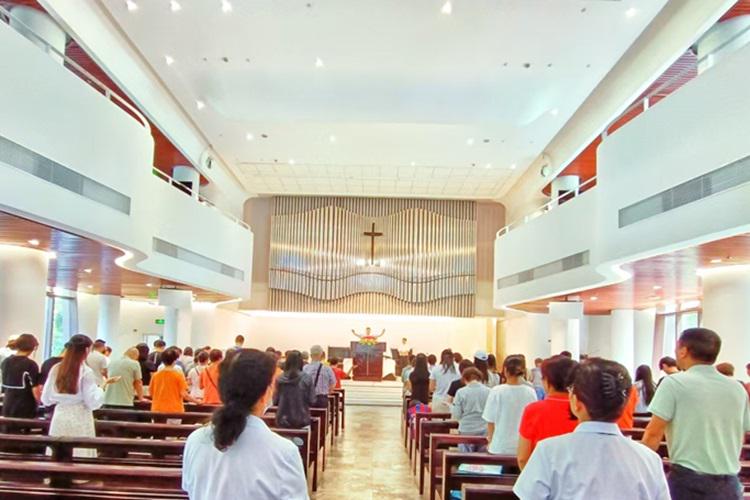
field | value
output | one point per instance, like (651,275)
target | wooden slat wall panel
(427,256)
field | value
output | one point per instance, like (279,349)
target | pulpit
(368,361)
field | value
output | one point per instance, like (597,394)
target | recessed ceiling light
(175,6)
(470,141)
(34,243)
(715,261)
(249,137)
(657,287)
(413,164)
(594,298)
(513,166)
(200,104)
(331,139)
(319,62)
(631,12)
(291,161)
(132,6)
(489,165)
(88,270)
(447,8)
(169,60)
(554,112)
(226,6)
(89,286)
(52,255)
(149,284)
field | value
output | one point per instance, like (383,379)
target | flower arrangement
(368,340)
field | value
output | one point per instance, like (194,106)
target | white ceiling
(408,102)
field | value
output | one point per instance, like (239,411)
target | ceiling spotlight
(470,141)
(594,298)
(89,286)
(291,161)
(489,165)
(715,261)
(631,12)
(331,139)
(447,8)
(318,62)
(52,255)
(413,164)
(132,6)
(657,287)
(249,137)
(88,270)
(34,243)
(513,166)
(169,60)
(175,6)
(554,112)
(200,104)
(226,6)
(149,285)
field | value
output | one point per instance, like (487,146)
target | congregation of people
(562,419)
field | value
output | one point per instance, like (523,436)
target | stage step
(372,393)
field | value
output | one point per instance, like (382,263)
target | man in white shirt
(97,361)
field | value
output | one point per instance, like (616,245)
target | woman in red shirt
(551,416)
(337,371)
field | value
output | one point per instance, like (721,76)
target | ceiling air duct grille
(17,156)
(565,264)
(185,255)
(716,181)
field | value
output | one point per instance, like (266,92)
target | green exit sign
(159,321)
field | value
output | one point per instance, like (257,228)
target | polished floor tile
(368,461)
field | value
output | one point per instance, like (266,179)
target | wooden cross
(372,234)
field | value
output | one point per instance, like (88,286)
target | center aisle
(369,461)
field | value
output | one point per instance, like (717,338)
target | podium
(368,360)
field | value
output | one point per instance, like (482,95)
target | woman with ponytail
(595,460)
(71,388)
(237,455)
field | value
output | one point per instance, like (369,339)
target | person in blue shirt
(596,460)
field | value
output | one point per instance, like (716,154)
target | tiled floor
(368,461)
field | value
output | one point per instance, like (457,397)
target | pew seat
(453,480)
(471,491)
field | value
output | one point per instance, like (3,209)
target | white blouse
(89,394)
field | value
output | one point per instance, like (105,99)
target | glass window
(62,323)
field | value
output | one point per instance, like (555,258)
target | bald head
(132,353)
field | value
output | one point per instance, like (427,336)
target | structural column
(623,337)
(108,321)
(23,291)
(178,316)
(565,327)
(726,310)
(643,330)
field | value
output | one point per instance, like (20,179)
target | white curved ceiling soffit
(386,97)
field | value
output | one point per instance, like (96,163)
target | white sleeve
(294,485)
(534,481)
(93,395)
(490,408)
(456,407)
(432,374)
(49,388)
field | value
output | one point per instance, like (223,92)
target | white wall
(56,114)
(527,334)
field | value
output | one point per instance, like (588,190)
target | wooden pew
(454,481)
(414,433)
(405,419)
(439,444)
(470,491)
(342,406)
(157,417)
(427,429)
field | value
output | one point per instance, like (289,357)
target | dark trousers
(687,484)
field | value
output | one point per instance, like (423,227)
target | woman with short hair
(237,455)
(596,460)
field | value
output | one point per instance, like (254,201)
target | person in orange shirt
(168,387)
(210,378)
(626,419)
(338,372)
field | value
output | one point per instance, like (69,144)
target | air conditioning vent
(716,181)
(185,255)
(558,266)
(17,156)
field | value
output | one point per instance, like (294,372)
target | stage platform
(383,393)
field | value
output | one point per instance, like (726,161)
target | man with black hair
(155,356)
(705,416)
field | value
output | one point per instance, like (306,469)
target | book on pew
(479,469)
